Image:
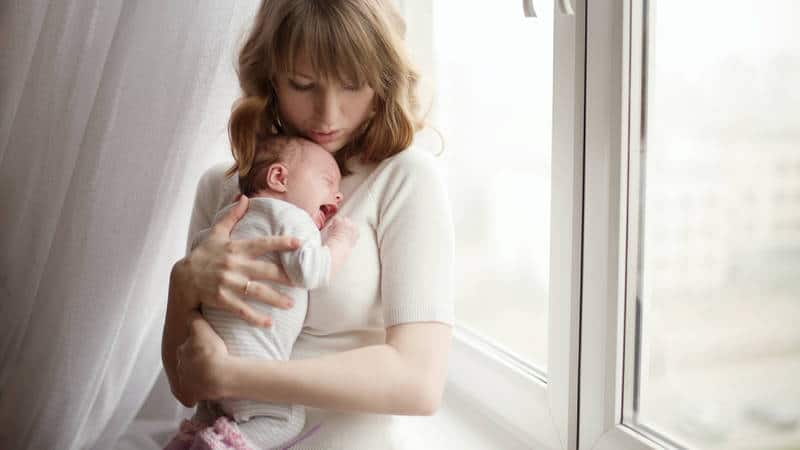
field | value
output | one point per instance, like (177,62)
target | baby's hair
(269,151)
(360,41)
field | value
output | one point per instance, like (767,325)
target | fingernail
(290,303)
(267,323)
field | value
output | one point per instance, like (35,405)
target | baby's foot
(223,435)
(186,435)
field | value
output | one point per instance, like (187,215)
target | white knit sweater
(401,270)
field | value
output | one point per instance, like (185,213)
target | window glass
(492,102)
(719,341)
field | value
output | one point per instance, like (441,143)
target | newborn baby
(293,185)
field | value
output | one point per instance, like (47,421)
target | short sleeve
(416,241)
(212,189)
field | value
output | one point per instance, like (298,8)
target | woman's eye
(351,86)
(299,86)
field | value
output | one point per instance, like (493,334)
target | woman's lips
(324,138)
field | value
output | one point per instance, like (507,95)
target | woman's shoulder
(214,188)
(215,174)
(415,161)
(414,176)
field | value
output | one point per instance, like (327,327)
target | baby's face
(313,183)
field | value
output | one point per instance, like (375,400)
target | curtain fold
(109,112)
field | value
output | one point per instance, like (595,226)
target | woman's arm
(405,376)
(175,332)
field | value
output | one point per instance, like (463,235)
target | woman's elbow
(429,399)
(414,396)
(430,403)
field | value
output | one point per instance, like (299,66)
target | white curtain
(109,112)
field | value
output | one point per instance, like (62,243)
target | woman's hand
(219,271)
(202,363)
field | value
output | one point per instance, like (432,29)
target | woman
(376,340)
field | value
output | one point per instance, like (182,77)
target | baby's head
(297,171)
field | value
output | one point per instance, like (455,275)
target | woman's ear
(277,177)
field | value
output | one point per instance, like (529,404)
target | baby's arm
(342,236)
(312,265)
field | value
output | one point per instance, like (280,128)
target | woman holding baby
(376,340)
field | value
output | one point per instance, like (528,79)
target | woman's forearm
(406,375)
(175,333)
(373,379)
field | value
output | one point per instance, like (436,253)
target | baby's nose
(338,197)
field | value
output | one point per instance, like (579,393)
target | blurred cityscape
(721,249)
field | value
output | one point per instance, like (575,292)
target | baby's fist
(342,228)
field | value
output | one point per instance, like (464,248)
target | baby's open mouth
(325,213)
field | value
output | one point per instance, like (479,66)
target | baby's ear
(277,177)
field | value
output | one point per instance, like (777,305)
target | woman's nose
(328,108)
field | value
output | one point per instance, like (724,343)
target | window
(673,230)
(492,88)
(690,278)
(719,351)
(492,104)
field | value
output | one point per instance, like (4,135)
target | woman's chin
(332,147)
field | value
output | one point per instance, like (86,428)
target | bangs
(338,42)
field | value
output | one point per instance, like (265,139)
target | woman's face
(328,112)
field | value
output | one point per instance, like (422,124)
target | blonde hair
(360,41)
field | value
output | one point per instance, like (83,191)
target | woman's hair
(360,41)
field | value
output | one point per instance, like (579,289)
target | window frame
(533,408)
(615,83)
(598,82)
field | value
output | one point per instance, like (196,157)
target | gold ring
(247,287)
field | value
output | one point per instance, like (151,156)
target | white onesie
(267,425)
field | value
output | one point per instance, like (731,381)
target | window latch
(527,7)
(564,5)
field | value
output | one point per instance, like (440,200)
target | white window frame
(597,120)
(615,76)
(534,409)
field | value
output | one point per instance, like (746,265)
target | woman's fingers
(268,295)
(237,306)
(257,247)
(262,270)
(197,324)
(201,362)
(225,225)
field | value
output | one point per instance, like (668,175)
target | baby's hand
(343,229)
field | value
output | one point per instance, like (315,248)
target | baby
(293,187)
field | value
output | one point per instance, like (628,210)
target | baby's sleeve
(416,242)
(309,266)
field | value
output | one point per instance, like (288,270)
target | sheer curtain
(109,112)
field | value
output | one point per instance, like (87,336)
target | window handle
(566,7)
(527,7)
